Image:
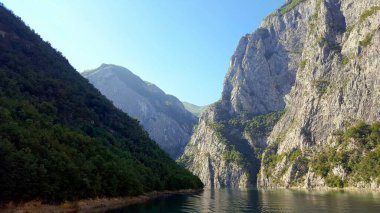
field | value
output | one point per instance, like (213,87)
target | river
(261,201)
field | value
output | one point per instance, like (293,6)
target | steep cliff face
(223,150)
(337,85)
(314,66)
(163,116)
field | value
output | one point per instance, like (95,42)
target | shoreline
(104,204)
(325,189)
(91,205)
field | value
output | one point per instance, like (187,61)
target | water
(261,201)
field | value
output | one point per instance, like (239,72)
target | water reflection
(261,201)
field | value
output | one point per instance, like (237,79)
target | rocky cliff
(337,86)
(309,71)
(163,116)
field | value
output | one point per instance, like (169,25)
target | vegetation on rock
(367,40)
(358,153)
(364,16)
(368,13)
(345,60)
(233,156)
(321,86)
(303,64)
(259,126)
(290,6)
(271,160)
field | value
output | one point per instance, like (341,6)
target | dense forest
(60,139)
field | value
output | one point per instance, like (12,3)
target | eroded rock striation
(310,70)
(163,116)
(337,86)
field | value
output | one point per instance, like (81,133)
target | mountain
(300,102)
(196,110)
(163,116)
(60,139)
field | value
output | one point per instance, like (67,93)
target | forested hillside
(60,139)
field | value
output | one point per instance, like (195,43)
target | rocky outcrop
(337,85)
(262,72)
(316,63)
(163,116)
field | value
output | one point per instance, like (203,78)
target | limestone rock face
(262,71)
(337,85)
(163,116)
(315,60)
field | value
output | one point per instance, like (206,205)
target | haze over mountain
(196,110)
(300,104)
(163,116)
(60,139)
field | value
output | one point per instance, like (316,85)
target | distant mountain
(162,115)
(196,110)
(60,139)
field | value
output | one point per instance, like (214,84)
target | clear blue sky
(182,46)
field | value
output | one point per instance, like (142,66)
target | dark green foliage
(293,156)
(219,129)
(321,86)
(321,164)
(374,136)
(369,166)
(359,132)
(262,125)
(361,163)
(271,160)
(217,126)
(258,126)
(60,139)
(238,150)
(233,156)
(288,7)
(334,181)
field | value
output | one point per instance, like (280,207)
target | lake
(261,201)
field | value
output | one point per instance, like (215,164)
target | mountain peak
(162,115)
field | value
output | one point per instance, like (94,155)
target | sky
(182,46)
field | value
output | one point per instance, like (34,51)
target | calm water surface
(262,201)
